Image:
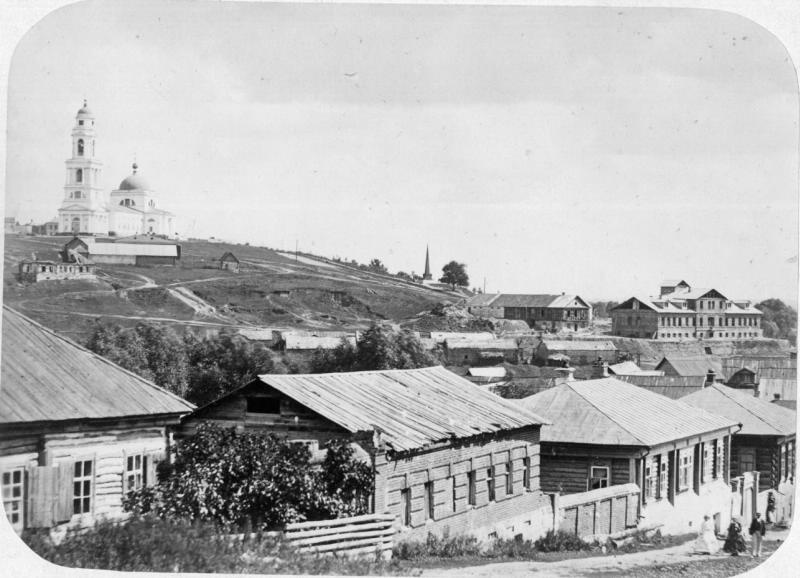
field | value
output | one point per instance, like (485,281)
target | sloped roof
(688,383)
(492,372)
(523,300)
(589,345)
(611,412)
(672,282)
(482,299)
(46,377)
(412,408)
(757,416)
(767,367)
(566,301)
(293,341)
(692,366)
(228,256)
(630,368)
(483,344)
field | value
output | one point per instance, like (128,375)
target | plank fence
(359,535)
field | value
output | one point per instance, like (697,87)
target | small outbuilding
(229,262)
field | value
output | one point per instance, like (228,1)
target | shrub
(503,548)
(436,547)
(150,544)
(560,541)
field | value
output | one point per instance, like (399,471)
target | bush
(502,548)
(150,544)
(561,541)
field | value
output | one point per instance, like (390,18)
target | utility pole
(484,284)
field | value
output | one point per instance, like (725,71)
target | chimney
(599,369)
(565,375)
(710,378)
(776,396)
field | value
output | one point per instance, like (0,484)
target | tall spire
(427,275)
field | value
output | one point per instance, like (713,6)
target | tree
(255,479)
(779,321)
(379,347)
(377,267)
(602,309)
(153,352)
(455,274)
(219,365)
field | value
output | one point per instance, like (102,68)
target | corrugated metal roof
(757,416)
(482,299)
(310,342)
(611,412)
(442,336)
(46,377)
(692,366)
(630,368)
(144,249)
(690,383)
(482,344)
(568,301)
(556,345)
(496,372)
(412,408)
(672,392)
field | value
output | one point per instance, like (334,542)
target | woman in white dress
(706,542)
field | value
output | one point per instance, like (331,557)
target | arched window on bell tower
(79,176)
(80,147)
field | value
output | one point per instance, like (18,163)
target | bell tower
(83,208)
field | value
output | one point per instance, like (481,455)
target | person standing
(734,542)
(757,530)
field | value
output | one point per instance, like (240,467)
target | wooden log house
(607,432)
(76,431)
(766,442)
(448,456)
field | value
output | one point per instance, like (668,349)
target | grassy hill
(272,290)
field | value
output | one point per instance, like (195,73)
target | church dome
(133,182)
(84,110)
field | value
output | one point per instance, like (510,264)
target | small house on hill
(766,443)
(229,262)
(448,456)
(607,432)
(481,352)
(139,250)
(578,352)
(76,431)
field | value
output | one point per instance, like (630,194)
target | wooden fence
(598,512)
(368,534)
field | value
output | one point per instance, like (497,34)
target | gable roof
(630,368)
(228,256)
(47,377)
(412,408)
(692,366)
(757,416)
(611,412)
(482,299)
(674,387)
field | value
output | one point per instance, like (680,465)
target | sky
(586,150)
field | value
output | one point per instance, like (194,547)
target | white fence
(368,534)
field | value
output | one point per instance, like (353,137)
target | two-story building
(544,312)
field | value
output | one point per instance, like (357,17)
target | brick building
(682,312)
(606,432)
(447,455)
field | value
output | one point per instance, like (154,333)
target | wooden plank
(343,545)
(335,530)
(340,537)
(340,521)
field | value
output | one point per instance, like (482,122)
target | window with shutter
(42,496)
(135,469)
(152,460)
(83,478)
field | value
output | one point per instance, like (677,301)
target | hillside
(272,290)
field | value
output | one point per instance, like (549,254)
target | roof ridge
(99,357)
(747,409)
(634,436)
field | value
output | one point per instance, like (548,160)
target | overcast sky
(586,150)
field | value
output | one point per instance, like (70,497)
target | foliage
(219,365)
(455,274)
(201,370)
(504,548)
(150,544)
(153,352)
(437,547)
(560,541)
(779,321)
(376,266)
(379,347)
(255,480)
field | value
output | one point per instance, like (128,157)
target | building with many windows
(544,312)
(683,312)
(131,209)
(76,431)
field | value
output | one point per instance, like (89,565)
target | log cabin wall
(570,474)
(53,464)
(447,491)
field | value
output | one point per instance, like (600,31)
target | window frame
(491,488)
(79,482)
(427,500)
(472,493)
(685,469)
(509,478)
(139,474)
(526,473)
(10,500)
(592,477)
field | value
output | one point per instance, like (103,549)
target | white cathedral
(131,209)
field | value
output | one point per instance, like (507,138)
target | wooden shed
(229,262)
(76,431)
(447,455)
(607,432)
